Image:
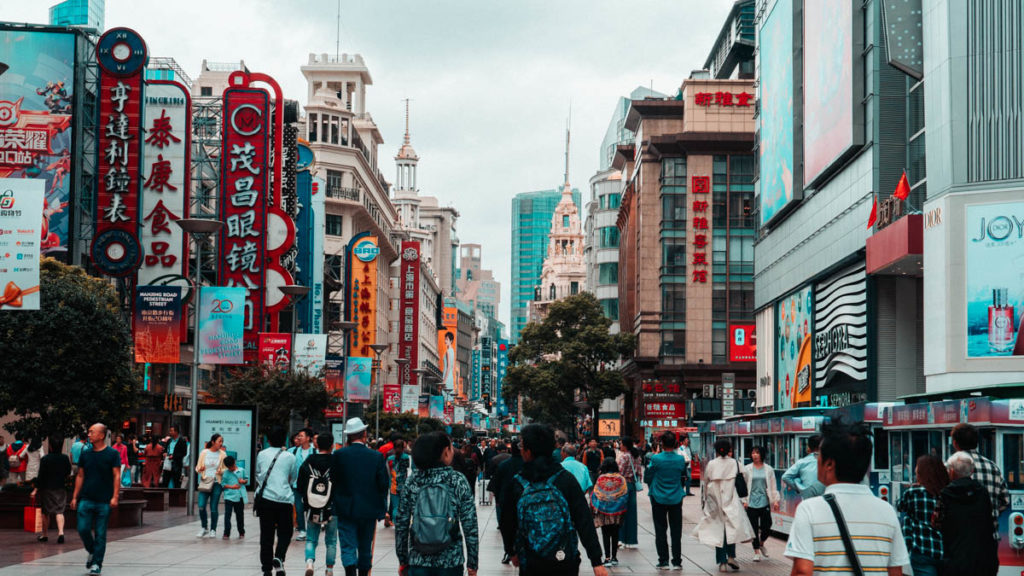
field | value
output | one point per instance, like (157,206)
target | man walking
(815,539)
(303,449)
(578,470)
(687,454)
(177,451)
(361,486)
(317,468)
(97,486)
(963,519)
(665,475)
(275,472)
(965,438)
(803,476)
(592,458)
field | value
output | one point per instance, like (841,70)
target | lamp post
(378,349)
(425,377)
(346,328)
(401,362)
(198,229)
(296,292)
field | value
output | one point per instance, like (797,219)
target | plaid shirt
(917,507)
(988,475)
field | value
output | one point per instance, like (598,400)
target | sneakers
(227,536)
(202,533)
(613,562)
(278,567)
(764,552)
(677,566)
(662,566)
(300,536)
(88,562)
(329,571)
(757,555)
(723,568)
(95,569)
(309,568)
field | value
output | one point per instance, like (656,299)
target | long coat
(723,510)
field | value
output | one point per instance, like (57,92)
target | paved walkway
(173,549)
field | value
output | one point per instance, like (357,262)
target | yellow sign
(363,296)
(608,427)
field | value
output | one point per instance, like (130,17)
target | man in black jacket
(361,483)
(321,462)
(966,522)
(177,451)
(504,476)
(538,443)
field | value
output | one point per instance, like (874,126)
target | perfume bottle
(1000,323)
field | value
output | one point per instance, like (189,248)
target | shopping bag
(33,518)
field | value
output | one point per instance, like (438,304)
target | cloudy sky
(490,81)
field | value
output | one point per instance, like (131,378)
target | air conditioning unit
(709,391)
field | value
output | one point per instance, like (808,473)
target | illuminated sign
(700,187)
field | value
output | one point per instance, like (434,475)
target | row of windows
(609,201)
(609,237)
(608,273)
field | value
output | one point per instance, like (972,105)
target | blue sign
(366,250)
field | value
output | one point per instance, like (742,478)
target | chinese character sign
(165,179)
(362,285)
(700,193)
(499,376)
(221,323)
(157,324)
(244,180)
(358,377)
(409,310)
(21,205)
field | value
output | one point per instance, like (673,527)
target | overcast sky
(490,81)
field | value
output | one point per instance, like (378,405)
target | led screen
(776,114)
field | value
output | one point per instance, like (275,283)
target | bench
(128,514)
(156,500)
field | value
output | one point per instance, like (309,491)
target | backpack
(545,524)
(434,524)
(318,496)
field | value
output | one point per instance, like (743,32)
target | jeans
(668,518)
(300,512)
(924,565)
(724,553)
(92,528)
(426,571)
(275,520)
(213,499)
(393,505)
(610,537)
(689,477)
(330,531)
(761,521)
(238,507)
(356,538)
(628,533)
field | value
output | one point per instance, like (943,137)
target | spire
(568,124)
(406,121)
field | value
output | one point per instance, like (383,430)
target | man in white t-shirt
(815,544)
(687,454)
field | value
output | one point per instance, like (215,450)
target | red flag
(903,188)
(874,212)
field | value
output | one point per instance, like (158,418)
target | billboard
(37,93)
(309,353)
(21,204)
(840,346)
(459,415)
(994,258)
(447,336)
(793,332)
(776,188)
(410,399)
(742,343)
(501,369)
(409,310)
(437,407)
(765,327)
(832,123)
(221,324)
(334,377)
(237,424)
(275,349)
(362,284)
(157,324)
(392,398)
(358,378)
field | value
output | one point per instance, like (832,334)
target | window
(574,288)
(674,259)
(565,220)
(673,343)
(610,307)
(333,179)
(608,273)
(206,91)
(673,302)
(553,293)
(614,201)
(311,122)
(609,237)
(334,225)
(673,172)
(673,211)
(718,347)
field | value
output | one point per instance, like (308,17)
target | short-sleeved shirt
(758,488)
(230,478)
(872,523)
(54,470)
(98,484)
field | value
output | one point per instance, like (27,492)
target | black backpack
(434,522)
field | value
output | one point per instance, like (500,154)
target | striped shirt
(873,525)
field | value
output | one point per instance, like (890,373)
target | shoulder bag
(851,553)
(258,499)
(638,482)
(741,482)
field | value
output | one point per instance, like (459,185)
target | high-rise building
(88,13)
(617,134)
(477,286)
(733,54)
(531,222)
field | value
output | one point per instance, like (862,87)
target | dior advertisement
(840,343)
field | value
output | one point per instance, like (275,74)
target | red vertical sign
(409,323)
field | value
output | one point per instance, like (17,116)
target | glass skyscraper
(531,222)
(79,13)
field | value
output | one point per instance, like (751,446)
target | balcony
(342,193)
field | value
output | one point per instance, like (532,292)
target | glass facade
(89,13)
(673,261)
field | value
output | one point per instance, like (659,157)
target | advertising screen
(221,322)
(841,337)
(994,256)
(237,424)
(37,81)
(776,118)
(309,353)
(21,203)
(742,343)
(447,336)
(358,377)
(157,324)
(794,332)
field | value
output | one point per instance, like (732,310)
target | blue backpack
(545,524)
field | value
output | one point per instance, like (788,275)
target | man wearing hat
(360,494)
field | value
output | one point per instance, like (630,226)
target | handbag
(851,553)
(741,482)
(258,499)
(168,464)
(206,483)
(637,480)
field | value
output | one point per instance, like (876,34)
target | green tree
(68,364)
(571,349)
(277,393)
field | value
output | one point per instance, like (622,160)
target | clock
(121,52)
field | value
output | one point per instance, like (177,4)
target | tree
(570,349)
(277,393)
(68,364)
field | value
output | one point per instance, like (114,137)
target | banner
(358,377)
(794,331)
(424,406)
(994,257)
(410,399)
(447,336)
(21,208)
(409,308)
(157,324)
(36,119)
(334,376)
(437,407)
(460,415)
(309,353)
(276,350)
(310,230)
(742,344)
(392,398)
(362,283)
(221,324)
(499,377)
(449,414)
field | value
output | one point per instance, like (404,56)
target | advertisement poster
(447,336)
(460,415)
(793,360)
(358,377)
(275,350)
(392,399)
(841,338)
(334,375)
(157,324)
(221,324)
(994,257)
(36,118)
(237,424)
(775,186)
(742,343)
(21,203)
(309,353)
(410,399)
(362,282)
(437,407)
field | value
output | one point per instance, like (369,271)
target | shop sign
(409,306)
(665,410)
(840,343)
(700,188)
(363,297)
(724,99)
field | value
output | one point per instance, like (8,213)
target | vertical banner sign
(447,336)
(449,414)
(392,399)
(310,231)
(166,180)
(116,250)
(409,307)
(275,350)
(437,407)
(157,324)
(358,377)
(334,378)
(243,201)
(474,377)
(21,207)
(499,376)
(309,353)
(362,304)
(459,415)
(221,325)
(410,399)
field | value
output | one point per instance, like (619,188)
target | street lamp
(346,328)
(378,349)
(296,292)
(198,229)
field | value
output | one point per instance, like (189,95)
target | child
(233,481)
(398,464)
(608,501)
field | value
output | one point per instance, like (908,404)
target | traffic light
(1017,531)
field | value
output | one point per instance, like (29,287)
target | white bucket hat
(354,426)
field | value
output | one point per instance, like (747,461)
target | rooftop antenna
(568,125)
(337,41)
(406,121)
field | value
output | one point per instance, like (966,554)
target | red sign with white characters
(243,186)
(409,320)
(700,188)
(742,343)
(665,410)
(741,99)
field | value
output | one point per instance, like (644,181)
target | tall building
(89,13)
(617,134)
(733,54)
(531,222)
(477,286)
(601,246)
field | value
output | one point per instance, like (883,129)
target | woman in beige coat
(724,522)
(763,497)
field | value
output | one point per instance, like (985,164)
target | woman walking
(211,471)
(763,496)
(608,502)
(917,506)
(724,522)
(51,488)
(629,468)
(425,548)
